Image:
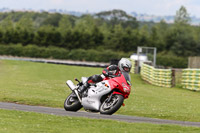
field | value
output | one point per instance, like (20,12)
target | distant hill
(75,13)
(154,18)
(138,16)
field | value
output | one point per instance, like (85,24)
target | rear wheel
(112,106)
(72,103)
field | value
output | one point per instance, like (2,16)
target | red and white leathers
(109,72)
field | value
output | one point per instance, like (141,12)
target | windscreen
(127,77)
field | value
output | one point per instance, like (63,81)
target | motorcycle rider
(111,71)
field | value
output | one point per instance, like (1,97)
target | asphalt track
(62,112)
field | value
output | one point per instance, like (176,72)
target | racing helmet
(124,65)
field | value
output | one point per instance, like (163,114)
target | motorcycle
(105,97)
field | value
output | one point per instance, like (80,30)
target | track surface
(62,112)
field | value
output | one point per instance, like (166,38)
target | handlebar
(80,83)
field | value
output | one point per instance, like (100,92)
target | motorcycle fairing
(121,84)
(92,101)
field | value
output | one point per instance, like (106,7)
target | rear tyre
(72,103)
(111,107)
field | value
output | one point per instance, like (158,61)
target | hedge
(60,53)
(171,61)
(82,54)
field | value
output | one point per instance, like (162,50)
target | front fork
(110,97)
(74,88)
(77,94)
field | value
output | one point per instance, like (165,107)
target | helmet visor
(126,69)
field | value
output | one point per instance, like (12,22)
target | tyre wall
(191,79)
(158,77)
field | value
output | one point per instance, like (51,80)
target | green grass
(44,84)
(28,122)
(38,83)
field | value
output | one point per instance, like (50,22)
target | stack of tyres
(133,66)
(191,79)
(158,77)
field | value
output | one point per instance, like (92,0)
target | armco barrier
(159,77)
(57,61)
(191,79)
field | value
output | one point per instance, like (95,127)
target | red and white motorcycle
(105,97)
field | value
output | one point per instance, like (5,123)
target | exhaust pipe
(71,85)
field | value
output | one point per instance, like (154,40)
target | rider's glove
(105,72)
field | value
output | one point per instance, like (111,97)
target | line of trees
(70,32)
(113,30)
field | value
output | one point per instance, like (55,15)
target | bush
(15,50)
(33,51)
(94,55)
(60,53)
(163,59)
(57,53)
(171,61)
(108,55)
(77,54)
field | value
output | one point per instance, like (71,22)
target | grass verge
(28,122)
(44,84)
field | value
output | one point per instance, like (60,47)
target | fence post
(173,77)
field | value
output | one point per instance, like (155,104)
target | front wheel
(72,103)
(113,105)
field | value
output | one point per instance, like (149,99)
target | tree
(182,16)
(24,31)
(85,23)
(157,36)
(47,36)
(25,24)
(53,20)
(180,41)
(116,17)
(64,25)
(97,37)
(7,24)
(7,27)
(180,38)
(144,36)
(113,41)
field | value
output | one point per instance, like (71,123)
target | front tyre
(72,103)
(113,105)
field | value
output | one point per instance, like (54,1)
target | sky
(151,7)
